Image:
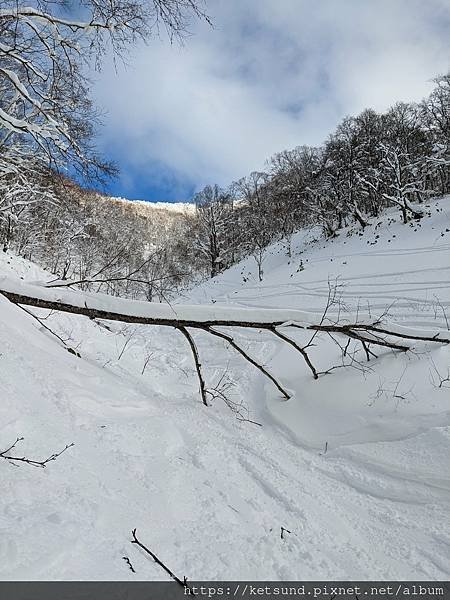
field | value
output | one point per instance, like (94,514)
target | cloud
(271,75)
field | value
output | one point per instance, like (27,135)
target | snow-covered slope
(209,493)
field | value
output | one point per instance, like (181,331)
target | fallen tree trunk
(101,306)
(208,318)
(203,316)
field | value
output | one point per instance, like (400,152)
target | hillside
(149,209)
(159,218)
(354,465)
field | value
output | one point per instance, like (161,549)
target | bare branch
(299,349)
(248,358)
(198,365)
(182,582)
(437,379)
(34,463)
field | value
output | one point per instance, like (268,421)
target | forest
(370,162)
(50,168)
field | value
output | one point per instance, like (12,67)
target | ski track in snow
(207,493)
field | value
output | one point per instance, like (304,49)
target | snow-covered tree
(400,179)
(435,113)
(47,120)
(257,217)
(214,212)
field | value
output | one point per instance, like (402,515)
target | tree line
(48,51)
(372,161)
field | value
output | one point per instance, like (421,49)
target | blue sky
(271,75)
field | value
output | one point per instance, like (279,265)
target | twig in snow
(437,379)
(325,450)
(34,463)
(182,582)
(439,304)
(127,341)
(221,391)
(128,561)
(147,360)
(394,392)
(39,320)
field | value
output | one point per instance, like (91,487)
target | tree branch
(248,358)
(34,463)
(198,365)
(183,582)
(208,318)
(299,349)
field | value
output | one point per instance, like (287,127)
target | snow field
(206,492)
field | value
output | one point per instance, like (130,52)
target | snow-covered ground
(209,493)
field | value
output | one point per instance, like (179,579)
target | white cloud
(271,75)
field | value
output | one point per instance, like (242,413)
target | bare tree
(400,179)
(214,218)
(46,115)
(257,217)
(435,114)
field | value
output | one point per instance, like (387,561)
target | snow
(151,310)
(355,464)
(146,205)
